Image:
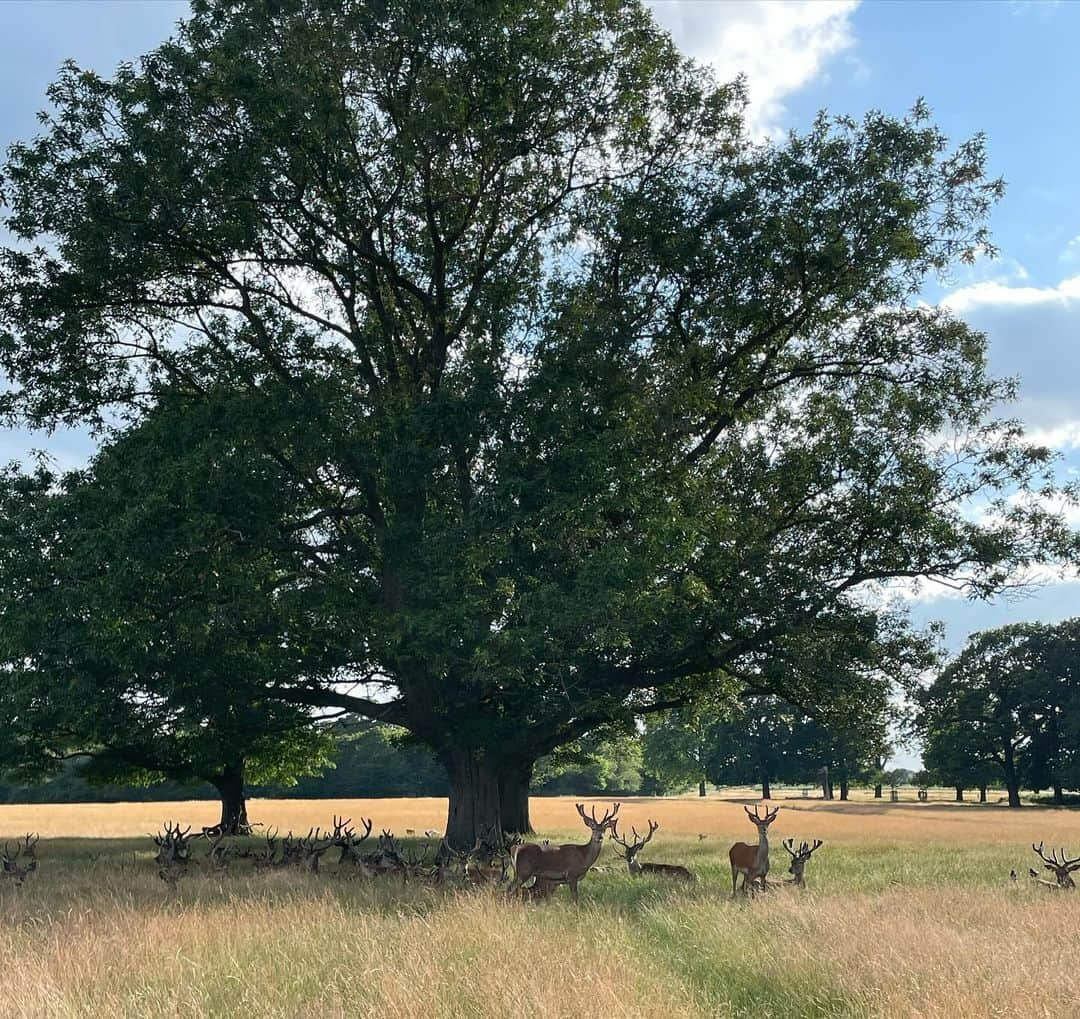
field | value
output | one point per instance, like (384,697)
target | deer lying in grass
(752,861)
(631,850)
(218,855)
(1062,869)
(24,848)
(348,842)
(489,859)
(566,864)
(311,849)
(799,860)
(174,853)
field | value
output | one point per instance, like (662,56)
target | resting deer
(267,858)
(348,841)
(566,864)
(488,860)
(174,853)
(752,861)
(450,864)
(1062,869)
(218,856)
(312,848)
(799,859)
(631,850)
(12,869)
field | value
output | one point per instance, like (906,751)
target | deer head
(631,849)
(608,821)
(760,822)
(799,858)
(1062,868)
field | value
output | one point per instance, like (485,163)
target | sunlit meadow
(909,912)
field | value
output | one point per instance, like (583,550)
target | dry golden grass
(910,914)
(873,820)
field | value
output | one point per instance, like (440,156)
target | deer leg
(573,889)
(734,880)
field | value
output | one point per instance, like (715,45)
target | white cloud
(780,45)
(1034,334)
(1071,254)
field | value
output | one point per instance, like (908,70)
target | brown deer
(1062,869)
(12,869)
(174,853)
(566,864)
(752,861)
(219,853)
(267,856)
(488,860)
(631,850)
(312,847)
(799,860)
(346,839)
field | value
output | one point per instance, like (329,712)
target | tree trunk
(701,790)
(959,793)
(825,785)
(1059,795)
(982,794)
(514,781)
(766,790)
(877,791)
(1012,783)
(230,786)
(844,787)
(475,796)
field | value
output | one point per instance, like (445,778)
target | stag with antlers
(631,850)
(752,862)
(799,859)
(1062,868)
(174,853)
(25,848)
(566,864)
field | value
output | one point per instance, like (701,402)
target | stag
(631,850)
(267,858)
(346,839)
(174,853)
(566,864)
(450,864)
(799,859)
(489,858)
(752,861)
(1062,869)
(218,855)
(311,849)
(25,849)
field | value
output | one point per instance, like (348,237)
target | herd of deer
(539,869)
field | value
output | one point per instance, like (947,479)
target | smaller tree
(985,707)
(144,618)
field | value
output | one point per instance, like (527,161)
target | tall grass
(926,925)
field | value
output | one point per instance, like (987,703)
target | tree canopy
(578,396)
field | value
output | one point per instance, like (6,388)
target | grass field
(910,912)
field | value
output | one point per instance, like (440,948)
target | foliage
(144,614)
(1005,706)
(577,396)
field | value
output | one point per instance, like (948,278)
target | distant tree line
(1006,710)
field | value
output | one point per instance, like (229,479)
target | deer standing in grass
(566,864)
(631,850)
(752,861)
(799,859)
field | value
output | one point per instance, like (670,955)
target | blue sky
(1006,69)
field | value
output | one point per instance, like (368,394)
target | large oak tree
(583,394)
